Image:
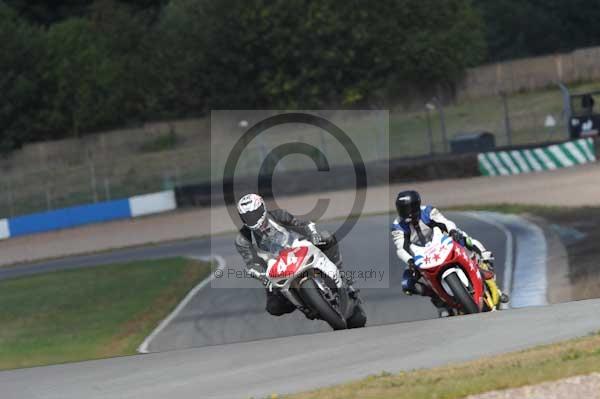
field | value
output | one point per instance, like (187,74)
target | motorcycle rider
(414,226)
(265,232)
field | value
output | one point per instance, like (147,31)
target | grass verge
(532,366)
(89,313)
(517,209)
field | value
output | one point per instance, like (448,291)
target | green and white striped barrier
(564,155)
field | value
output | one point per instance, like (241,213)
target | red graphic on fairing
(443,254)
(288,262)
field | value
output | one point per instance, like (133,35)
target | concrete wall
(531,73)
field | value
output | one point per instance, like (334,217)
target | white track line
(143,348)
(509,257)
(530,282)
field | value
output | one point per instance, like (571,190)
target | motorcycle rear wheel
(314,298)
(461,295)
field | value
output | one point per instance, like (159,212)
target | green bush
(106,63)
(21,67)
(517,28)
(298,53)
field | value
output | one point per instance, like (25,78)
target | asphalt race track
(233,314)
(257,369)
(203,353)
(211,360)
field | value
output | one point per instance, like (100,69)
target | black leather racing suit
(267,240)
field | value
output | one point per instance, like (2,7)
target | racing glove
(457,236)
(256,266)
(316,238)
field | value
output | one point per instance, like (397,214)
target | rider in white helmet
(264,231)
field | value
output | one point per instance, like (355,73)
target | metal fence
(160,156)
(98,180)
(513,120)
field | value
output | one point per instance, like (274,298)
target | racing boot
(352,292)
(411,286)
(442,309)
(348,281)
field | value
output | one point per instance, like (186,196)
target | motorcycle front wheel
(315,298)
(461,295)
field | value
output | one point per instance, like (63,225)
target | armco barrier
(148,204)
(86,214)
(556,156)
(68,217)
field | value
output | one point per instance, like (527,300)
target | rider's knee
(279,306)
(276,310)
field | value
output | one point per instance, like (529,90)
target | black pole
(429,132)
(440,107)
(506,119)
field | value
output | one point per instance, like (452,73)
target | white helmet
(252,210)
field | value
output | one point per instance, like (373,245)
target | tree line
(73,67)
(523,28)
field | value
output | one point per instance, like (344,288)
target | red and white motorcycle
(455,276)
(309,280)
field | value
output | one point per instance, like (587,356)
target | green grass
(517,209)
(89,313)
(545,363)
(408,130)
(164,142)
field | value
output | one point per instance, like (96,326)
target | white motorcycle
(310,281)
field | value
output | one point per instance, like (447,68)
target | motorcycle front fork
(491,294)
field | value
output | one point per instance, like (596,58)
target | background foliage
(72,67)
(521,28)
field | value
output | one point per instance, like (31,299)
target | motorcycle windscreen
(289,261)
